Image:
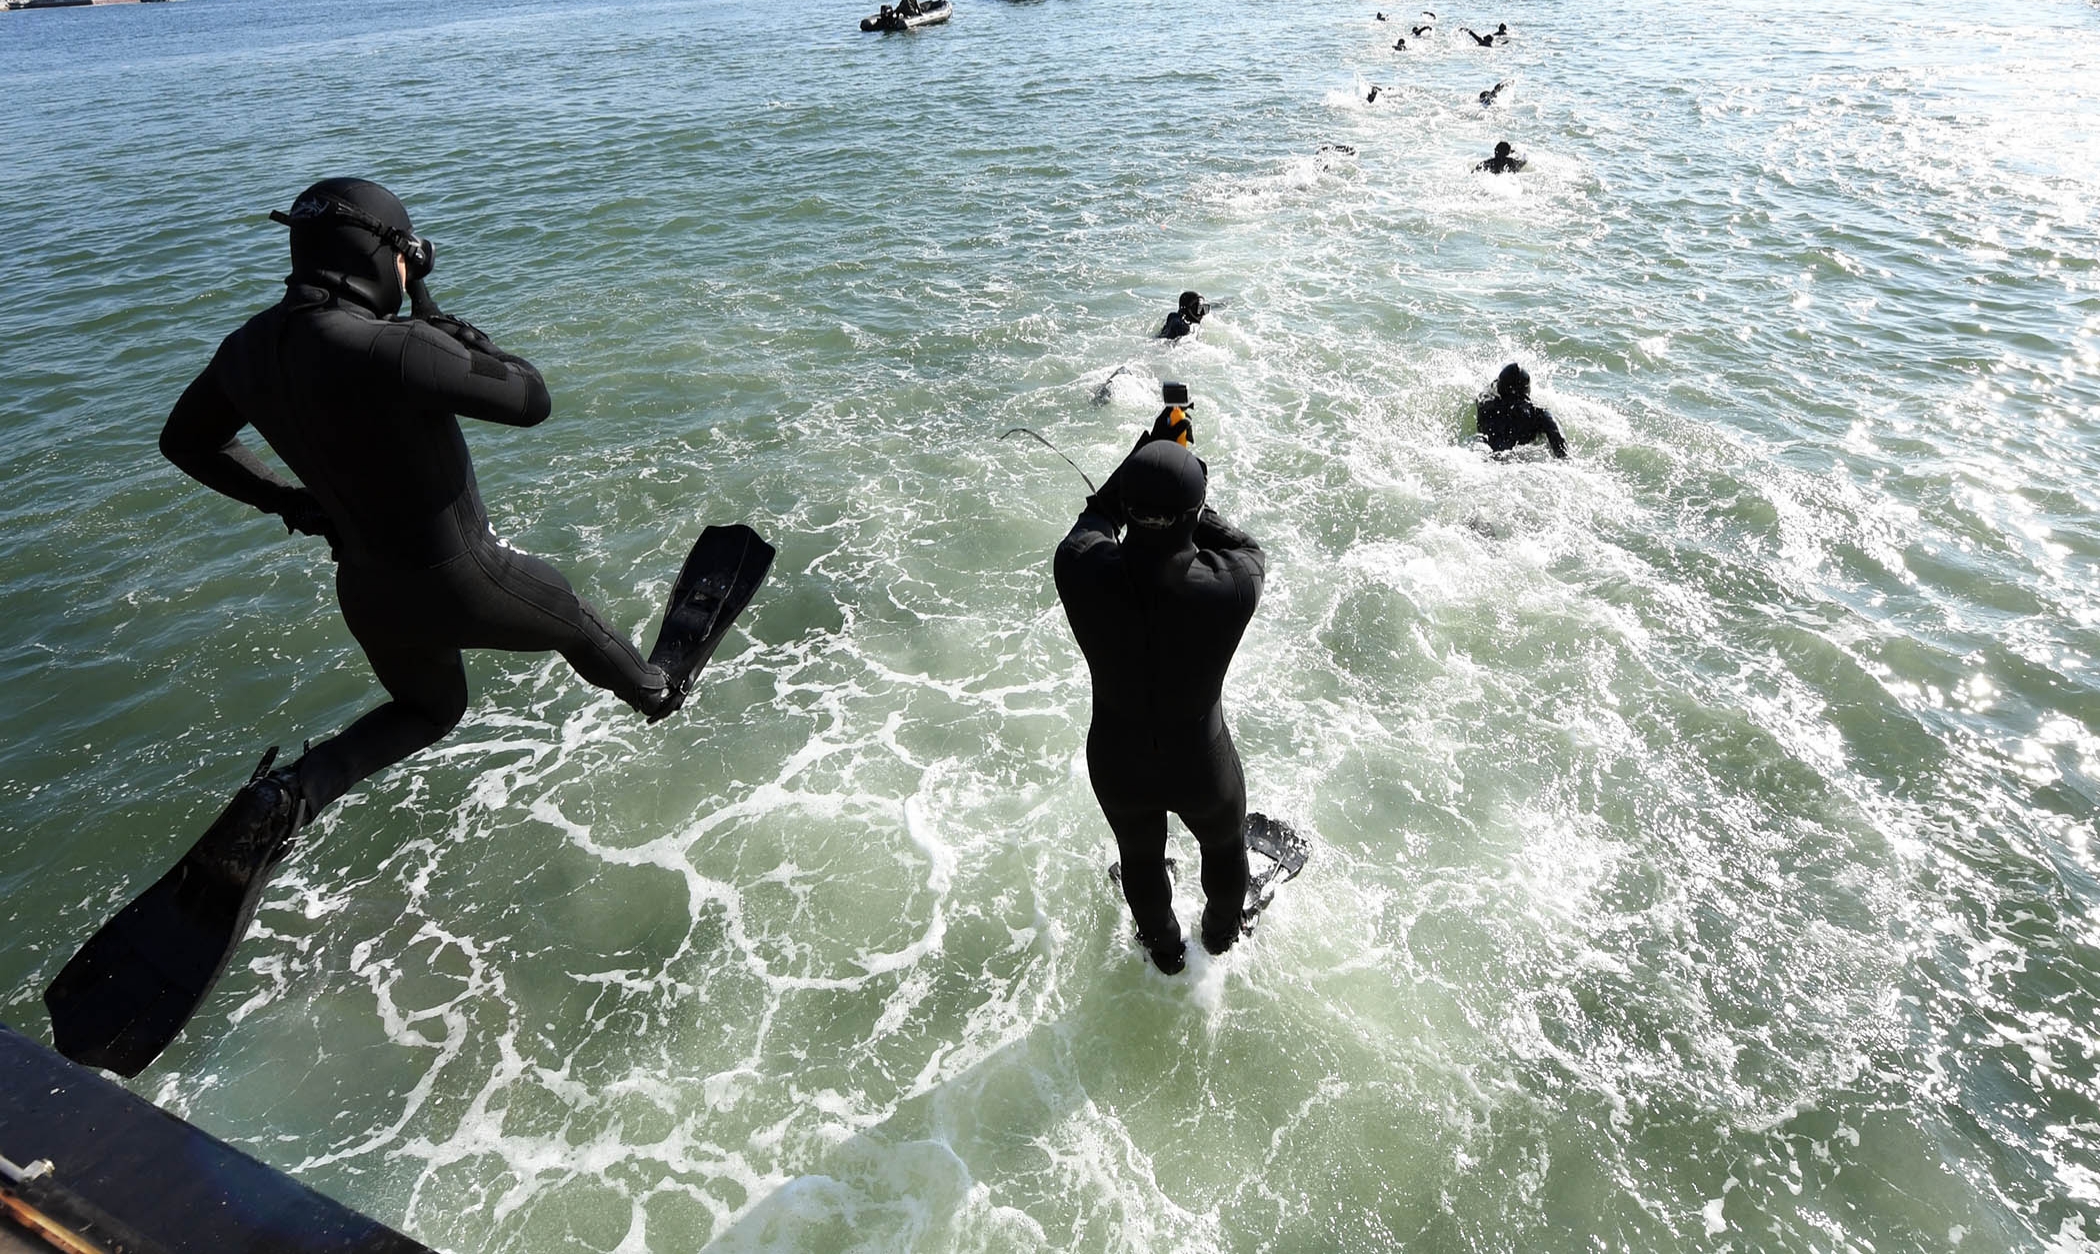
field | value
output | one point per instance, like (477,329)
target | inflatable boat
(931,13)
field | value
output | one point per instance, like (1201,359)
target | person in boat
(1187,316)
(1158,613)
(1505,160)
(1506,418)
(363,408)
(1489,97)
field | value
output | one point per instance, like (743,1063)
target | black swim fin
(720,576)
(1286,851)
(128,992)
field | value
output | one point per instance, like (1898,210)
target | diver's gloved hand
(420,305)
(1172,424)
(466,333)
(303,515)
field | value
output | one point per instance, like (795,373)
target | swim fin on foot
(128,992)
(720,576)
(1286,851)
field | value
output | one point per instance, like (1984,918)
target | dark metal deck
(139,1168)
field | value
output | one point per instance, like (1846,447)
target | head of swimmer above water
(1193,307)
(354,238)
(1514,383)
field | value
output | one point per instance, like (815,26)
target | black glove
(1167,427)
(420,305)
(303,515)
(468,335)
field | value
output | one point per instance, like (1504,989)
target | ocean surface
(1705,849)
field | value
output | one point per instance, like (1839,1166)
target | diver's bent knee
(442,712)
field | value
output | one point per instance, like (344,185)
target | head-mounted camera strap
(420,253)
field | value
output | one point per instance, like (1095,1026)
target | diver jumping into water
(363,408)
(1506,417)
(1158,614)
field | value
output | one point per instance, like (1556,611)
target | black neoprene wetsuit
(1505,424)
(1158,616)
(362,409)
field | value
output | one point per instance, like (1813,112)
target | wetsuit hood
(1161,482)
(1514,383)
(338,252)
(1162,486)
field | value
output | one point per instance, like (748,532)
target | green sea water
(1705,827)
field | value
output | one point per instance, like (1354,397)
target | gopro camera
(1175,394)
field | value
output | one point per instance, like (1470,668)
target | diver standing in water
(1158,615)
(361,407)
(1506,418)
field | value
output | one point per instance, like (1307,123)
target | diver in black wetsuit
(1488,99)
(1187,315)
(1506,417)
(1158,616)
(1505,160)
(361,407)
(1488,41)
